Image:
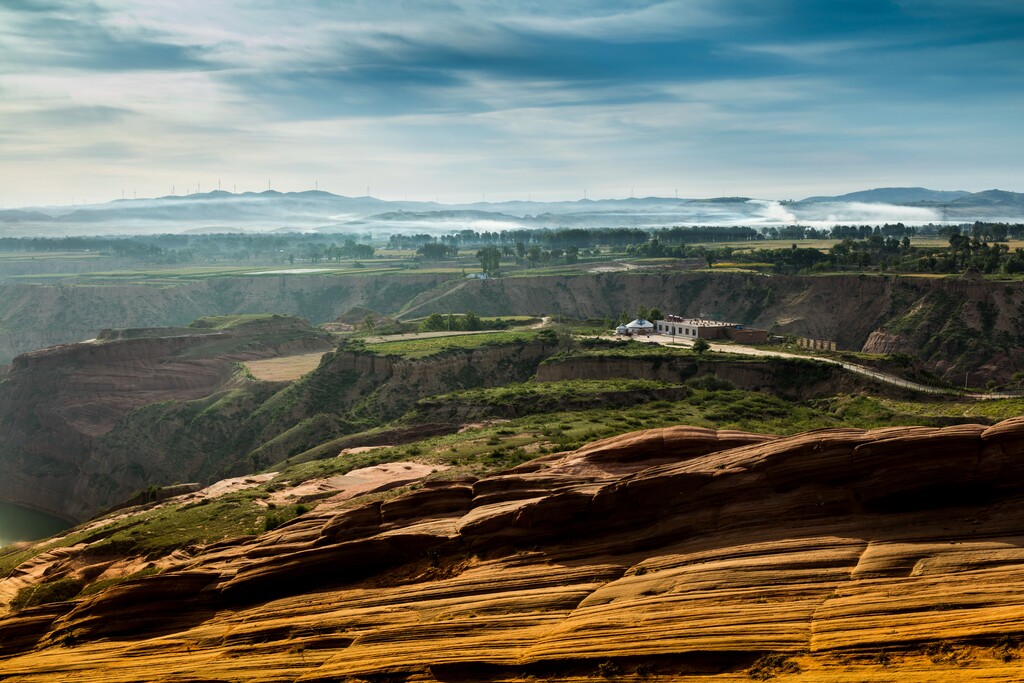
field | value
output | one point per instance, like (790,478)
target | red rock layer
(676,554)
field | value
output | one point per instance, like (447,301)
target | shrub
(45,593)
(772,665)
(710,383)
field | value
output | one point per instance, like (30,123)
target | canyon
(951,326)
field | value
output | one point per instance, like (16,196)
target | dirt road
(884,377)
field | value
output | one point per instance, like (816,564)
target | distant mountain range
(319,211)
(955,204)
(896,195)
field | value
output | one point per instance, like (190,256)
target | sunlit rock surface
(673,554)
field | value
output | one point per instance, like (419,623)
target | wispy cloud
(431,97)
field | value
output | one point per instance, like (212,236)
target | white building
(701,328)
(640,326)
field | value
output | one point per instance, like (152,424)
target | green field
(418,348)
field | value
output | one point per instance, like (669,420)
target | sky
(460,100)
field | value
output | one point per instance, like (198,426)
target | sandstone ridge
(671,554)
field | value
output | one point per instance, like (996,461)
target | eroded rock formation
(58,404)
(672,554)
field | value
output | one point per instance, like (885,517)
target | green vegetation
(710,402)
(228,322)
(278,516)
(419,348)
(45,593)
(932,249)
(526,392)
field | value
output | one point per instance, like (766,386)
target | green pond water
(21,524)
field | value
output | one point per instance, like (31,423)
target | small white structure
(640,326)
(700,328)
(622,330)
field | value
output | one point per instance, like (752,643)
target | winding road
(887,378)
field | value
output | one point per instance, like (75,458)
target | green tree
(654,314)
(533,255)
(471,321)
(433,323)
(572,254)
(700,346)
(490,259)
(435,251)
(369,323)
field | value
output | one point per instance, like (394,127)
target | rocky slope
(791,378)
(35,316)
(673,554)
(87,425)
(59,406)
(952,325)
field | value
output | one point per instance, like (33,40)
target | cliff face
(795,379)
(87,425)
(36,316)
(952,325)
(365,386)
(666,555)
(59,405)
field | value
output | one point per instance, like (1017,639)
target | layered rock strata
(673,554)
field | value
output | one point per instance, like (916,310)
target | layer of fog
(321,212)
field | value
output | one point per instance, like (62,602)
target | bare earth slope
(34,316)
(57,404)
(673,554)
(953,325)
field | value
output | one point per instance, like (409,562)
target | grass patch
(228,322)
(419,348)
(46,593)
(514,394)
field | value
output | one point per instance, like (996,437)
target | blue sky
(458,100)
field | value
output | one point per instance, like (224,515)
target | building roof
(640,324)
(697,322)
